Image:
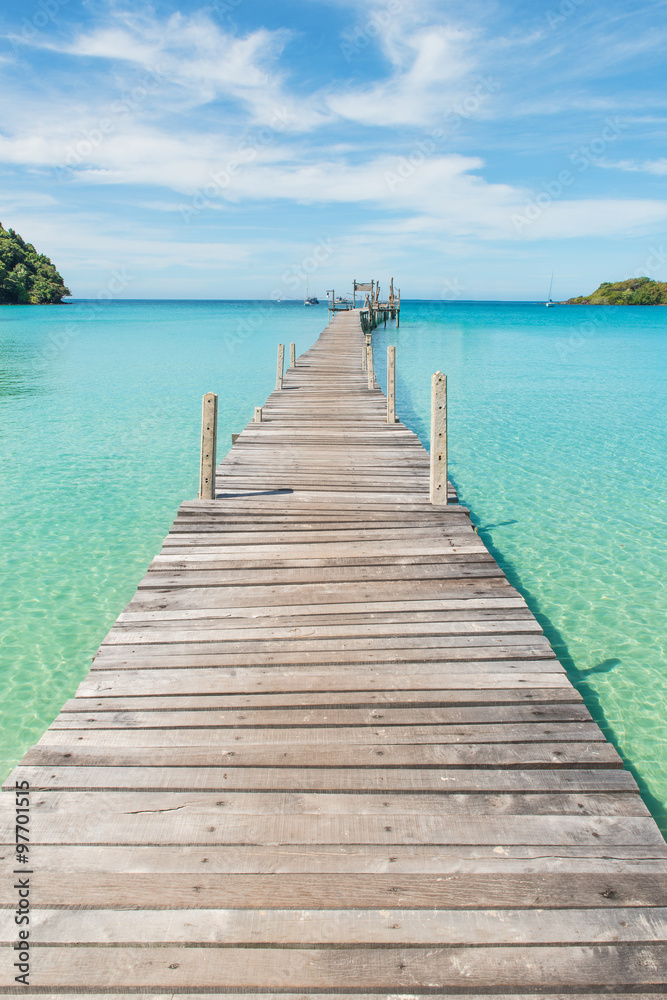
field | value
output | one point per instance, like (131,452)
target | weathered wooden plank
(300,803)
(400,568)
(379,780)
(246,995)
(455,860)
(301,615)
(160,633)
(123,825)
(340,927)
(326,595)
(440,650)
(173,967)
(438,698)
(87,749)
(472,600)
(372,735)
(324,891)
(529,675)
(328,718)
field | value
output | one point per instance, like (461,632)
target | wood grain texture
(326,750)
(177,968)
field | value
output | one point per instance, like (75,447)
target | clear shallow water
(100,411)
(556,442)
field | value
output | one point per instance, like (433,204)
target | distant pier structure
(374,310)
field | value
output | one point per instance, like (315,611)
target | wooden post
(363,358)
(391,384)
(281,366)
(369,366)
(292,355)
(257,419)
(209,433)
(439,439)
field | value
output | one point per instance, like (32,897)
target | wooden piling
(439,439)
(292,355)
(391,384)
(281,366)
(369,366)
(257,419)
(209,433)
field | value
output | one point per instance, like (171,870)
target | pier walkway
(326,749)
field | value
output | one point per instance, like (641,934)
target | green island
(27,277)
(633,292)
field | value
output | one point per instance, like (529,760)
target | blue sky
(226,149)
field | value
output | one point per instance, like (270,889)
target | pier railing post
(369,366)
(257,419)
(292,355)
(391,384)
(281,366)
(209,433)
(439,439)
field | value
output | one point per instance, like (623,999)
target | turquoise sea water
(557,444)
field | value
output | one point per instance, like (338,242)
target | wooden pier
(326,749)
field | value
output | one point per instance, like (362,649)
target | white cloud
(430,68)
(657,167)
(194,55)
(11,202)
(94,245)
(597,217)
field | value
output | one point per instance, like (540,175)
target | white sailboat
(549,302)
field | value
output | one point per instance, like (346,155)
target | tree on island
(27,277)
(633,292)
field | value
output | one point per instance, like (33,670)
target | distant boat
(549,301)
(310,300)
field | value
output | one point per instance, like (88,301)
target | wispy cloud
(196,55)
(657,167)
(429,67)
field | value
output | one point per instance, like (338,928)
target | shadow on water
(490,527)
(576,675)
